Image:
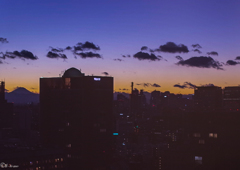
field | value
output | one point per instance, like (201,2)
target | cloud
(148,84)
(125,89)
(105,73)
(232,63)
(196,46)
(56,50)
(179,86)
(208,85)
(126,56)
(155,85)
(197,50)
(88,55)
(86,46)
(186,84)
(1,62)
(237,58)
(212,53)
(171,47)
(179,57)
(146,56)
(201,62)
(3,40)
(117,59)
(24,54)
(144,48)
(68,48)
(51,54)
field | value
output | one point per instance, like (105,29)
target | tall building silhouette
(6,111)
(231,98)
(76,114)
(208,98)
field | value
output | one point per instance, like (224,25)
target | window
(69,145)
(198,159)
(201,141)
(96,79)
(215,135)
(103,130)
(197,135)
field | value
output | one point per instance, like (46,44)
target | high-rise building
(231,98)
(76,114)
(208,98)
(6,111)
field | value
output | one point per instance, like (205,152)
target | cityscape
(78,125)
(119,85)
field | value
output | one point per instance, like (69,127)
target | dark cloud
(105,73)
(125,89)
(179,57)
(212,53)
(201,62)
(232,63)
(24,54)
(208,85)
(196,46)
(187,85)
(87,46)
(1,62)
(144,48)
(145,56)
(3,40)
(179,86)
(126,56)
(148,85)
(237,58)
(68,48)
(197,50)
(117,59)
(56,50)
(51,54)
(155,85)
(88,55)
(171,47)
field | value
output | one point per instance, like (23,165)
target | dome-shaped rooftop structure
(73,72)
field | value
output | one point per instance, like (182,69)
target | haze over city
(159,45)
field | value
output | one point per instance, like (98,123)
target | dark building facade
(6,111)
(208,98)
(76,114)
(231,98)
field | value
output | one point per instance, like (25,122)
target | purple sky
(123,28)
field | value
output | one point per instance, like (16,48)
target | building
(76,114)
(231,98)
(207,98)
(6,111)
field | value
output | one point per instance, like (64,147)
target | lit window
(68,82)
(196,135)
(67,124)
(61,159)
(103,130)
(55,166)
(210,135)
(96,79)
(215,135)
(69,155)
(69,146)
(198,159)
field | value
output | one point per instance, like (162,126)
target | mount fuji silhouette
(21,96)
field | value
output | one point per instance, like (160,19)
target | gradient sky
(121,27)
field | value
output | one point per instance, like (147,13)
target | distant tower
(2,91)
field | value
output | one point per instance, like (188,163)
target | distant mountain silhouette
(22,96)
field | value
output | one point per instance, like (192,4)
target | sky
(160,45)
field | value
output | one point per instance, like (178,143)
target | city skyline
(108,32)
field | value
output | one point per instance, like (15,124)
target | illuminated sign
(96,79)
(115,134)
